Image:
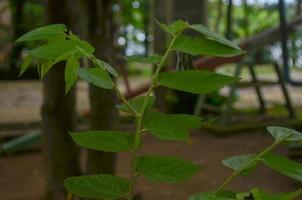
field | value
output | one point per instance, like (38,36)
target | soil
(22,175)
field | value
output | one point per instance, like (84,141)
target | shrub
(56,45)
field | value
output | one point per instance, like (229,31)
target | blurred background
(36,152)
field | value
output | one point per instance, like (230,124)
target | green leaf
(96,76)
(178,27)
(27,61)
(83,46)
(290,195)
(259,194)
(43,33)
(238,162)
(175,28)
(165,169)
(53,50)
(56,38)
(109,141)
(98,186)
(209,196)
(45,67)
(170,126)
(202,46)
(137,103)
(151,59)
(213,36)
(284,166)
(280,133)
(163,26)
(71,72)
(195,81)
(106,67)
(244,196)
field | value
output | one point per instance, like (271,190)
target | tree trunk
(17,7)
(195,12)
(219,16)
(58,117)
(162,12)
(99,29)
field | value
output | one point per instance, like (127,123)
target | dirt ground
(21,176)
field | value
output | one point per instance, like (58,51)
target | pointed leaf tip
(43,33)
(281,133)
(109,141)
(71,70)
(195,81)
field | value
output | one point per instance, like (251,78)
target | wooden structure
(261,39)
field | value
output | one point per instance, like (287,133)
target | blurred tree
(17,8)
(99,28)
(135,21)
(162,11)
(193,11)
(219,16)
(58,116)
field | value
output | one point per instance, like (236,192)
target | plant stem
(154,77)
(117,91)
(253,161)
(139,117)
(134,157)
(124,100)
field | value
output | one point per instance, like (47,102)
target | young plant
(56,44)
(244,165)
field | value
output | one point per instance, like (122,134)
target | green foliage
(155,59)
(284,166)
(137,104)
(203,46)
(96,76)
(238,162)
(98,186)
(26,63)
(53,50)
(106,67)
(71,72)
(175,28)
(165,169)
(58,45)
(244,165)
(194,81)
(280,133)
(170,126)
(43,33)
(60,49)
(110,141)
(259,194)
(45,67)
(213,36)
(208,43)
